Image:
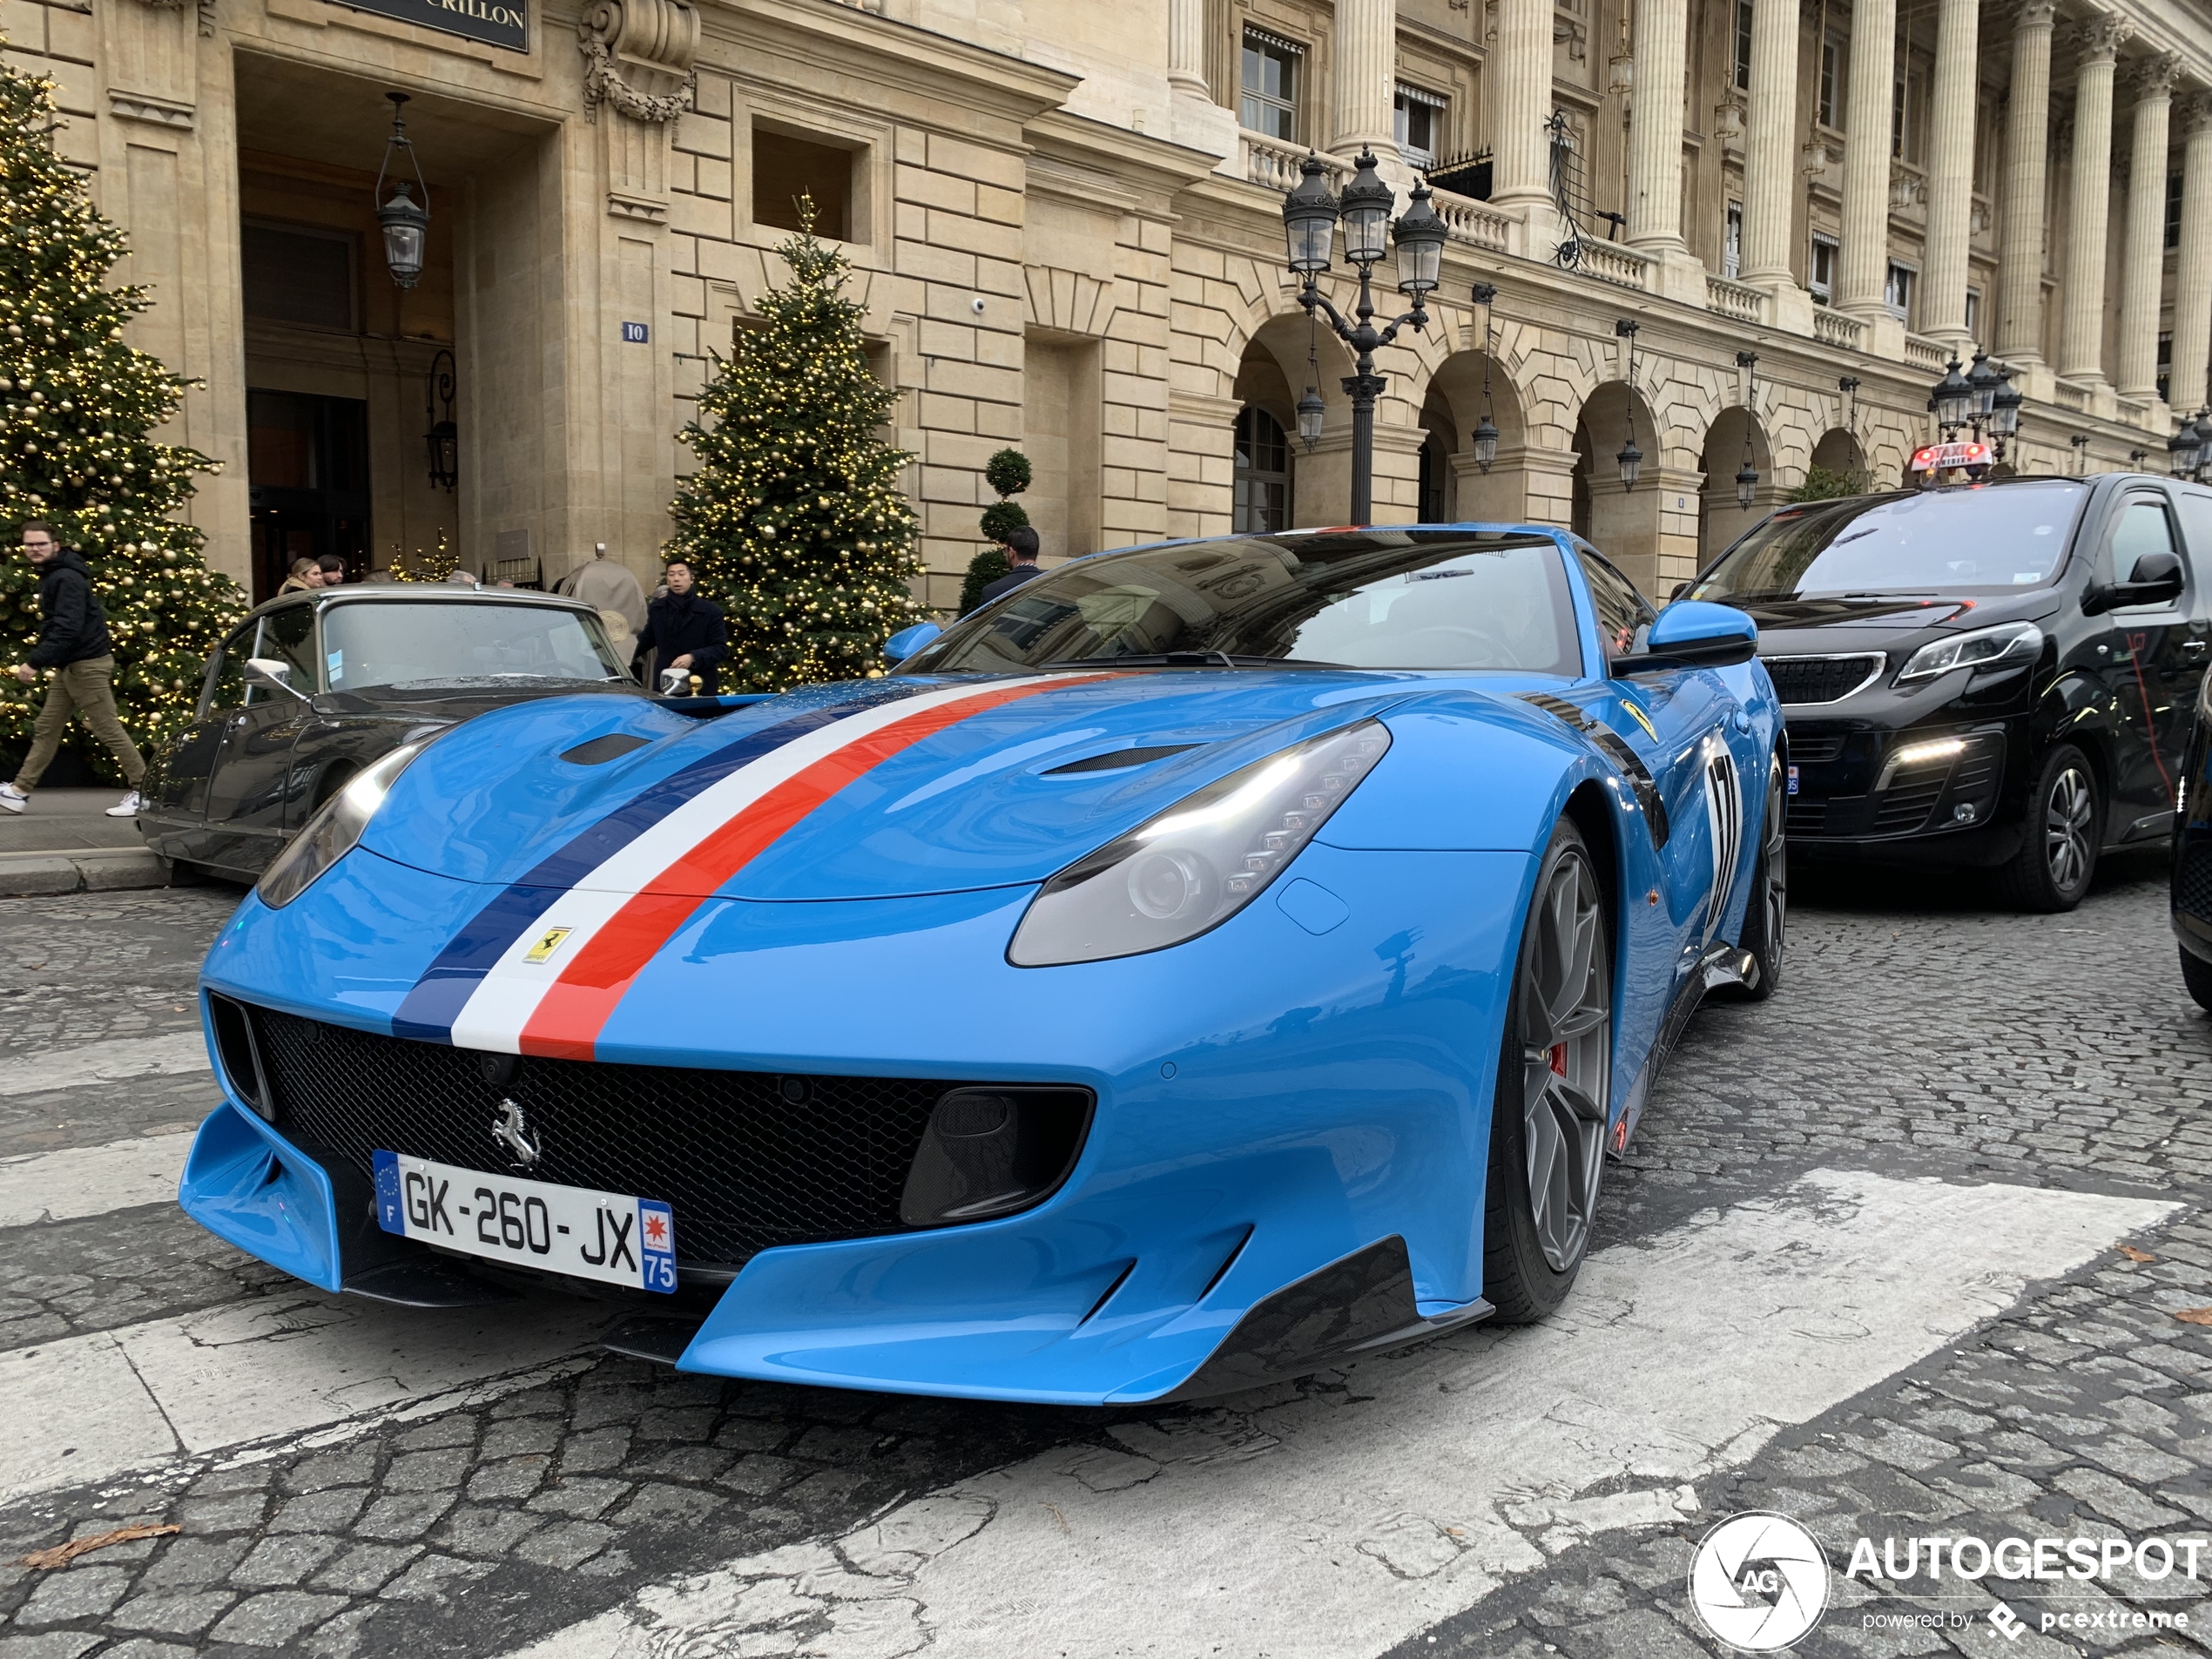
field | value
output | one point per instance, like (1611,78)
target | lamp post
(1747,476)
(1310,216)
(406,222)
(1953,400)
(2189,452)
(1486,429)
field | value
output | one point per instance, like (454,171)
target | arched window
(1263,474)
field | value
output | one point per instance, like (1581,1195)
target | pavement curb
(80,870)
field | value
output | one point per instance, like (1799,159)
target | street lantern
(1983,381)
(2005,409)
(1486,430)
(1486,444)
(1367,204)
(1310,218)
(1419,235)
(1952,399)
(1630,459)
(1311,411)
(2182,450)
(406,222)
(1747,475)
(2203,441)
(1747,482)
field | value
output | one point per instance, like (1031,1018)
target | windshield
(1376,599)
(1938,540)
(411,643)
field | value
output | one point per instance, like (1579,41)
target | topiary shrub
(984,569)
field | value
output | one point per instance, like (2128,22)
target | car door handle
(2194,650)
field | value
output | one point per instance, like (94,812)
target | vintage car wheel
(2061,837)
(1548,1123)
(1766,914)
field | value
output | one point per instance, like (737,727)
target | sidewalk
(66,843)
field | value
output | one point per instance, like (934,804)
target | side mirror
(2156,580)
(268,670)
(1692,633)
(909,642)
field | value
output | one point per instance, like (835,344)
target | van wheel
(2061,837)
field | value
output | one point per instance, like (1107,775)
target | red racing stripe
(566,1023)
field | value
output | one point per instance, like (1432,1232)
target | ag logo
(1759,1581)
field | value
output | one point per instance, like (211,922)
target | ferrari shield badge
(547,943)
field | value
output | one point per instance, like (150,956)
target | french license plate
(1793,780)
(529,1223)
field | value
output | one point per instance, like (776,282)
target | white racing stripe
(280,1365)
(1468,1461)
(503,1000)
(91,1180)
(103,1062)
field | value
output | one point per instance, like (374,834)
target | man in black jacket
(687,632)
(1022,551)
(72,642)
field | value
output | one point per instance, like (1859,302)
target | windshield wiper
(1191,659)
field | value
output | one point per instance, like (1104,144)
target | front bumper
(1269,1102)
(1942,792)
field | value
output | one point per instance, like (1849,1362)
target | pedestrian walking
(305,578)
(686,630)
(1022,548)
(73,642)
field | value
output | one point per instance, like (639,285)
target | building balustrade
(1475,223)
(1833,328)
(1623,267)
(1737,299)
(1923,353)
(2068,395)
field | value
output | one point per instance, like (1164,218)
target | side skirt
(1721,965)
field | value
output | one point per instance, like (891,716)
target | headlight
(2011,642)
(1201,861)
(330,834)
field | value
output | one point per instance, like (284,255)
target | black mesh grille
(2193,883)
(743,1167)
(1815,748)
(1819,679)
(1912,796)
(1806,818)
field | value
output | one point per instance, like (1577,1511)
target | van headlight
(330,834)
(1199,863)
(2011,642)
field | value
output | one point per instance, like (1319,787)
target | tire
(2196,975)
(1766,909)
(2060,835)
(1548,1117)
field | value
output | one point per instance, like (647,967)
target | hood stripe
(428,1010)
(619,914)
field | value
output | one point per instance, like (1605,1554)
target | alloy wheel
(2069,813)
(1566,1034)
(1777,897)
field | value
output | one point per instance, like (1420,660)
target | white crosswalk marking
(91,1180)
(103,1062)
(1468,1462)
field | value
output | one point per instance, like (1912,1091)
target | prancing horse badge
(547,944)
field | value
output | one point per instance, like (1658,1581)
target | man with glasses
(73,642)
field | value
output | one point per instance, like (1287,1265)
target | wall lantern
(406,222)
(1747,476)
(1486,429)
(1311,411)
(444,438)
(1630,460)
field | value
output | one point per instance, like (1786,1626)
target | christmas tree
(75,406)
(793,521)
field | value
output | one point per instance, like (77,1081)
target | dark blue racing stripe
(429,1009)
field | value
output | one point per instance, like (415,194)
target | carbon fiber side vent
(1631,765)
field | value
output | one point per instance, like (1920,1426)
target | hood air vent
(599,751)
(1121,758)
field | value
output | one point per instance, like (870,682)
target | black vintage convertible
(312,687)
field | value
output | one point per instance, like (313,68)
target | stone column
(2027,138)
(1655,126)
(1518,83)
(2142,274)
(1196,121)
(2082,342)
(2193,279)
(1365,47)
(1770,147)
(1951,175)
(1864,261)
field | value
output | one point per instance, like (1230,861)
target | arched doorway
(1623,519)
(1734,441)
(1438,488)
(1839,459)
(1469,389)
(1263,474)
(1311,485)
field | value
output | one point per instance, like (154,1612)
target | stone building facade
(1066,222)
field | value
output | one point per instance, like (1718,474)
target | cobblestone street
(1862,1266)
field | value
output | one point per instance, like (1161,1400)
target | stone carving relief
(2099,40)
(639,58)
(2155,77)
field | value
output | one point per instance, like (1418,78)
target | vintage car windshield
(1411,598)
(366,643)
(1938,541)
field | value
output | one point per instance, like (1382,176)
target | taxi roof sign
(1941,457)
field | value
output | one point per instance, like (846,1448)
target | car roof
(1547,532)
(420,593)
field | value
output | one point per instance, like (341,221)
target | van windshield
(1976,540)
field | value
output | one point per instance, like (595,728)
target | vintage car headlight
(2011,642)
(330,834)
(1195,865)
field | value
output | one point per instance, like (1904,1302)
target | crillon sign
(498,22)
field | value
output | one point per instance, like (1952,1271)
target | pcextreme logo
(1758,1582)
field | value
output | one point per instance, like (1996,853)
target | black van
(2000,675)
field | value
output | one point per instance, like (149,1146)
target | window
(1973,314)
(1418,123)
(2165,361)
(288,636)
(1832,80)
(1732,241)
(1743,45)
(2142,529)
(786,168)
(1269,85)
(292,273)
(1820,271)
(1896,292)
(2173,210)
(226,674)
(1622,613)
(1263,476)
(367,642)
(1898,89)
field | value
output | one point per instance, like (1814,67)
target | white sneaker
(12,799)
(128,806)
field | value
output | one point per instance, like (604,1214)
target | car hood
(1821,627)
(460,699)
(888,788)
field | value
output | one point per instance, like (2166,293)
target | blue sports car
(1207,962)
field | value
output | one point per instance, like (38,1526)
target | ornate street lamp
(444,438)
(1311,411)
(2182,450)
(1747,476)
(1630,460)
(2203,442)
(1486,429)
(405,221)
(2004,411)
(1952,400)
(1310,215)
(1983,381)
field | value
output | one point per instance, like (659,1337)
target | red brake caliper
(1558,1058)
